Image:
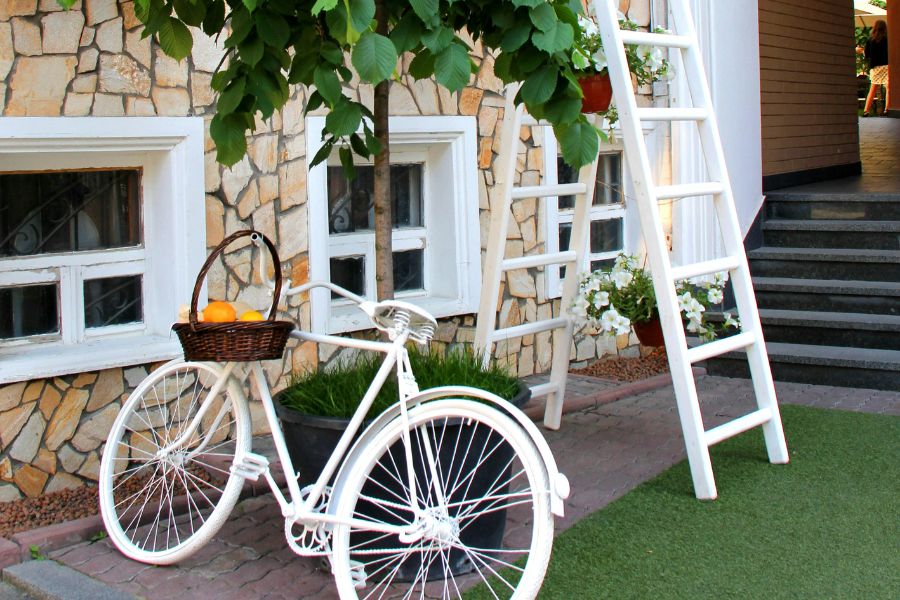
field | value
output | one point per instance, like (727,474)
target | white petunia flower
(623,325)
(715,296)
(621,278)
(684,301)
(731,321)
(610,320)
(601,299)
(600,61)
(580,306)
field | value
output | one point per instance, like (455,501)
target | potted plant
(647,64)
(621,297)
(316,407)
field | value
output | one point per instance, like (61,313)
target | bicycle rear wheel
(484,503)
(161,503)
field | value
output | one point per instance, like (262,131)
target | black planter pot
(311,440)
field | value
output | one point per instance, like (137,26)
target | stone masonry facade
(92,61)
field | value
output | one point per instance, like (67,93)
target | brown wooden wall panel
(808,85)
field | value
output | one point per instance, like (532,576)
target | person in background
(877,54)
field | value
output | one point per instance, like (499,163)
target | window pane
(609,179)
(28,310)
(602,264)
(606,236)
(409,270)
(608,189)
(112,301)
(69,211)
(565,174)
(565,235)
(350,274)
(350,202)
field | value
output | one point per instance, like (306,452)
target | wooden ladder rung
(688,190)
(739,425)
(543,389)
(542,191)
(721,346)
(672,114)
(499,335)
(728,263)
(656,39)
(539,260)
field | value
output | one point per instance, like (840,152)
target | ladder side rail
(663,284)
(492,273)
(757,356)
(562,338)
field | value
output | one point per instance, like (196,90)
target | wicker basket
(235,340)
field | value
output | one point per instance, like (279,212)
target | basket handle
(276,295)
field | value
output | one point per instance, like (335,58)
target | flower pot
(311,440)
(649,333)
(597,91)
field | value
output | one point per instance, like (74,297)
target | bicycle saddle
(396,316)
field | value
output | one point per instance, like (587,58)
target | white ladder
(647,194)
(495,265)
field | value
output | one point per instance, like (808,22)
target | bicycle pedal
(251,466)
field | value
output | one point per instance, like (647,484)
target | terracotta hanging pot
(597,91)
(649,333)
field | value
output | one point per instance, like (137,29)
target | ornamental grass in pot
(621,297)
(316,408)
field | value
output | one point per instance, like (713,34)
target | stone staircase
(827,282)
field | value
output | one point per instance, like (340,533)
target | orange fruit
(252,315)
(218,312)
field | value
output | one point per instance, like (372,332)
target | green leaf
(344,119)
(561,37)
(314,101)
(327,83)
(540,85)
(241,26)
(321,5)
(361,13)
(528,3)
(426,9)
(579,143)
(323,153)
(438,39)
(215,18)
(562,109)
(252,50)
(543,16)
(332,53)
(502,66)
(359,146)
(228,132)
(272,29)
(190,11)
(516,36)
(422,66)
(232,96)
(407,34)
(452,67)
(175,39)
(374,57)
(251,4)
(347,162)
(371,141)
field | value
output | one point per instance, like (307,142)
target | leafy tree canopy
(272,44)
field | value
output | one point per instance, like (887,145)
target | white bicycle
(393,509)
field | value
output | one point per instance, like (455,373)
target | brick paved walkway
(605,451)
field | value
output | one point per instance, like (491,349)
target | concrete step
(814,263)
(8,592)
(857,207)
(49,580)
(831,328)
(825,365)
(884,235)
(869,297)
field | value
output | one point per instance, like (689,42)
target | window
(99,240)
(436,242)
(606,238)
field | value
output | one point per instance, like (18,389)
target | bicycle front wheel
(161,501)
(482,513)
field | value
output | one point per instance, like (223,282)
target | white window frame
(554,217)
(448,147)
(169,151)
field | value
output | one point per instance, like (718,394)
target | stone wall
(92,61)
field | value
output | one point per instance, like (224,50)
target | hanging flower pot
(649,333)
(597,91)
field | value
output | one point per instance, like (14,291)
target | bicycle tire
(434,564)
(160,509)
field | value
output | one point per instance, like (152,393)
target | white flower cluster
(594,304)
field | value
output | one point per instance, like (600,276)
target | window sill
(24,363)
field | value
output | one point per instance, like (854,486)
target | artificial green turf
(824,526)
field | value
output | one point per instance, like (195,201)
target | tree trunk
(384,258)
